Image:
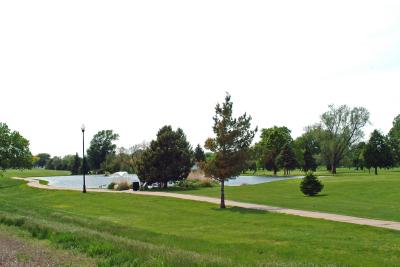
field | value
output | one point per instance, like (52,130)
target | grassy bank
(133,230)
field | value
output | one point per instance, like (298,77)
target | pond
(101,181)
(248,180)
(92,181)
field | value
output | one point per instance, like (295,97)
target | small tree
(377,152)
(230,145)
(287,159)
(310,185)
(199,155)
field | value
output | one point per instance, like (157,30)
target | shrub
(122,186)
(188,184)
(43,182)
(196,183)
(208,182)
(310,185)
(111,186)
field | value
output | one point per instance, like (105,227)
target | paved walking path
(33,182)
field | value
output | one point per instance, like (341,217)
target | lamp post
(83,158)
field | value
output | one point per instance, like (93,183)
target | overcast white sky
(134,66)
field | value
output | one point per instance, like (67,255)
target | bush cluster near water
(196,183)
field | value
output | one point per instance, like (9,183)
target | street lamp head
(83,127)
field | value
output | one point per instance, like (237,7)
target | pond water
(247,180)
(92,181)
(101,181)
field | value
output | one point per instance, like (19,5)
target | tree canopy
(43,158)
(307,146)
(377,152)
(341,127)
(287,159)
(199,154)
(233,137)
(271,144)
(101,145)
(168,158)
(14,149)
(394,139)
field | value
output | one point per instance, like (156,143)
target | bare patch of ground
(16,251)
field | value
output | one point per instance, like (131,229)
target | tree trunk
(376,170)
(275,171)
(333,168)
(165,185)
(222,206)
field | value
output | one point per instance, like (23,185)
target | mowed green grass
(129,230)
(349,192)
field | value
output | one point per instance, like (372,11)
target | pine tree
(310,185)
(310,164)
(199,154)
(76,165)
(233,137)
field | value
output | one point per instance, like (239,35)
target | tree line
(336,140)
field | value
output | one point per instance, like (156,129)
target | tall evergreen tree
(76,165)
(168,158)
(233,137)
(199,154)
(310,164)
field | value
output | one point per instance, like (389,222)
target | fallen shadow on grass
(240,210)
(319,195)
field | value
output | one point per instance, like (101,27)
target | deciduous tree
(394,139)
(287,159)
(377,152)
(101,145)
(271,144)
(14,149)
(341,127)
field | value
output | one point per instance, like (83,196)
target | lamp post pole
(83,158)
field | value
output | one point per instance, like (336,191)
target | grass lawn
(129,230)
(349,192)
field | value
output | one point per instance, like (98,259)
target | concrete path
(33,182)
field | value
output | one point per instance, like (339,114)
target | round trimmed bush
(310,185)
